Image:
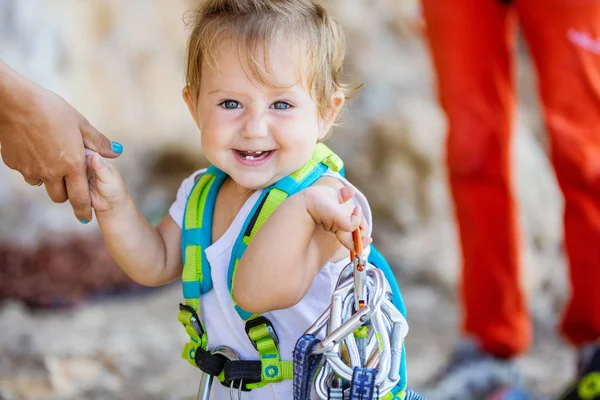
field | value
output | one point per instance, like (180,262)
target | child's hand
(327,207)
(107,188)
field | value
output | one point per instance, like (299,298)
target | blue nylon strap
(244,315)
(184,237)
(207,219)
(290,186)
(239,246)
(192,236)
(286,184)
(305,366)
(363,384)
(312,177)
(191,290)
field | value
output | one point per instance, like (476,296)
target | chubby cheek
(297,149)
(212,147)
(214,134)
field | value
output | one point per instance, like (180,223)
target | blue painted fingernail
(84,221)
(117,147)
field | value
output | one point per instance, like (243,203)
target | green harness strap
(196,237)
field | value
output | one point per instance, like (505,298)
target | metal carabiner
(359,261)
(387,328)
(239,390)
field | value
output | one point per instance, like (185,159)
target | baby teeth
(249,157)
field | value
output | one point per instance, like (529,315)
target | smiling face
(256,133)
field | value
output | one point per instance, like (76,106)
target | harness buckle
(194,320)
(259,321)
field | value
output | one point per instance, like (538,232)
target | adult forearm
(135,244)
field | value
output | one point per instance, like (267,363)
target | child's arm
(149,255)
(304,233)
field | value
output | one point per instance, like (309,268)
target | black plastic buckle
(259,321)
(194,320)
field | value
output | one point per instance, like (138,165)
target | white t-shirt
(222,323)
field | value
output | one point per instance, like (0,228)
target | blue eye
(230,104)
(281,105)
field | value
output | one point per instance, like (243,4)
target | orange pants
(473,44)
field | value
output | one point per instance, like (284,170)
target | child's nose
(256,126)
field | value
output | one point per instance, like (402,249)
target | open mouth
(253,155)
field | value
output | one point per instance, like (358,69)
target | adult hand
(44,138)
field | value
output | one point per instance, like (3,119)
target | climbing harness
(365,322)
(361,354)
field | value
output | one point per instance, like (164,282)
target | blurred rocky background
(72,326)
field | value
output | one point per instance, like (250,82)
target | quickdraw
(361,353)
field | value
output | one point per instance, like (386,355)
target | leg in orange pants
(564,37)
(473,45)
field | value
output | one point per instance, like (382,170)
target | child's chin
(253,184)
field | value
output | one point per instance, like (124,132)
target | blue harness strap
(202,237)
(305,366)
(363,384)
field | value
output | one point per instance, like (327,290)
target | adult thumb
(94,140)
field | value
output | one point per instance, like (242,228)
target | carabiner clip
(359,262)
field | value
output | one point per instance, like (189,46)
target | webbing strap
(335,394)
(246,371)
(305,366)
(208,362)
(198,213)
(195,276)
(363,384)
(264,338)
(193,327)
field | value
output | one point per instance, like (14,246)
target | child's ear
(333,109)
(191,102)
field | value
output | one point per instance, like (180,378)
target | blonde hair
(256,25)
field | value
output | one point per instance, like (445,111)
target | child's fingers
(346,193)
(345,223)
(352,223)
(101,168)
(363,224)
(345,238)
